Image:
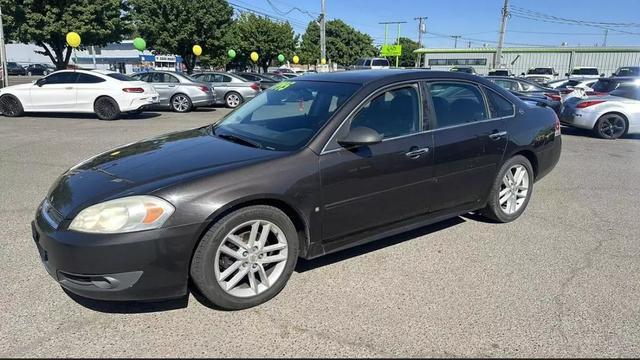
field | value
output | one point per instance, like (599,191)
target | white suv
(541,74)
(371,63)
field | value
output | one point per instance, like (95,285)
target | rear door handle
(414,154)
(497,135)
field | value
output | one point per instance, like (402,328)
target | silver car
(178,91)
(231,90)
(610,116)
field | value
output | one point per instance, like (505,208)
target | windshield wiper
(240,140)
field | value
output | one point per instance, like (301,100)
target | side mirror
(41,82)
(361,136)
(602,75)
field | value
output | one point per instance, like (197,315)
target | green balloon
(231,53)
(139,43)
(281,58)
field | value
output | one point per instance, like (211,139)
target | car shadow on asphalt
(566,130)
(307,265)
(125,117)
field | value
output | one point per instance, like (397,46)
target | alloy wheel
(9,106)
(514,189)
(233,100)
(612,126)
(251,258)
(180,103)
(106,109)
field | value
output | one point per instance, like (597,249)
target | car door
(166,85)
(219,85)
(469,143)
(88,88)
(371,186)
(57,93)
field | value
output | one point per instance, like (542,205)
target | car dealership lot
(563,280)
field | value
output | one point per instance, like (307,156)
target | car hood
(149,165)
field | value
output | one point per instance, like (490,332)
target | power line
(295,8)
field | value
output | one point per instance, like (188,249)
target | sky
(477,21)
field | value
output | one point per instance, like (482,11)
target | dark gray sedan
(231,90)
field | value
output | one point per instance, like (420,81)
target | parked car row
(13,68)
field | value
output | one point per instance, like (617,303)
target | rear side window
(142,77)
(498,105)
(88,79)
(393,113)
(605,85)
(120,77)
(164,78)
(457,103)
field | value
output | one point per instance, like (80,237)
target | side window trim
(347,120)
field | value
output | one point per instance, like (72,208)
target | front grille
(53,216)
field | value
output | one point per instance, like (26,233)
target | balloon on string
(254,56)
(281,58)
(197,50)
(231,54)
(139,44)
(296,59)
(73,39)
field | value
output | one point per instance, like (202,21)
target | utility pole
(422,28)
(455,38)
(3,55)
(497,61)
(604,42)
(323,26)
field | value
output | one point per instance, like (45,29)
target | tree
(46,23)
(173,27)
(262,35)
(408,58)
(345,44)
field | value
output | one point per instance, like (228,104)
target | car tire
(232,100)
(611,126)
(511,190)
(257,275)
(181,103)
(106,108)
(29,73)
(10,106)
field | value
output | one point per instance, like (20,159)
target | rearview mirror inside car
(360,136)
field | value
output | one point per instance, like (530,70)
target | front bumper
(145,265)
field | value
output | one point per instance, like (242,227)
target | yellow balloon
(254,56)
(73,39)
(296,59)
(197,50)
(323,61)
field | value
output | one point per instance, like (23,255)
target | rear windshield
(586,71)
(540,71)
(499,73)
(628,91)
(121,77)
(380,62)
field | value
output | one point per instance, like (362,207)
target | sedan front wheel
(511,190)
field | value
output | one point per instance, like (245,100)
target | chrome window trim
(379,91)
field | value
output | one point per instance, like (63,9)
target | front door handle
(497,135)
(69,88)
(414,154)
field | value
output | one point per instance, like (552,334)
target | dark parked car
(307,168)
(14,68)
(265,81)
(627,71)
(464,69)
(531,89)
(606,85)
(38,69)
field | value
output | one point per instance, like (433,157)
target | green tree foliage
(345,44)
(256,33)
(408,58)
(46,23)
(173,27)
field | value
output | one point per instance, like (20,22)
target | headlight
(134,213)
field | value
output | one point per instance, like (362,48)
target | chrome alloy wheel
(514,189)
(233,100)
(180,103)
(251,258)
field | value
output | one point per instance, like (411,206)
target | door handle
(414,154)
(69,88)
(497,135)
(172,86)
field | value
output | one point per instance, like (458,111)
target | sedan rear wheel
(181,103)
(106,108)
(611,126)
(511,190)
(248,264)
(233,100)
(10,106)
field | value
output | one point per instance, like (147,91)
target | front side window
(66,77)
(457,104)
(498,105)
(393,113)
(285,117)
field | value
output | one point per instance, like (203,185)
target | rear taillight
(557,126)
(596,93)
(133,90)
(554,97)
(255,86)
(203,88)
(585,104)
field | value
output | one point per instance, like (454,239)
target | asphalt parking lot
(563,280)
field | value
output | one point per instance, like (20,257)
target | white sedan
(105,93)
(610,117)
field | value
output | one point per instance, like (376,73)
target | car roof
(364,77)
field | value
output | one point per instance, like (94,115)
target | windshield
(121,77)
(285,117)
(540,71)
(605,85)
